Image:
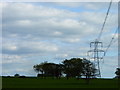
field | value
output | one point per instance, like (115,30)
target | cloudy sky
(53,31)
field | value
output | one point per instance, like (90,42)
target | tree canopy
(74,67)
(49,69)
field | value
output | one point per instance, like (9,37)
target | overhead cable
(99,36)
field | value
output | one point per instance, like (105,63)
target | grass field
(57,83)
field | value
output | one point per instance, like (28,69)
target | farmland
(34,82)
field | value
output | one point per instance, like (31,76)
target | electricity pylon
(96,54)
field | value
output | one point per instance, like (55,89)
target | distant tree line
(74,67)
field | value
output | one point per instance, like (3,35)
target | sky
(34,32)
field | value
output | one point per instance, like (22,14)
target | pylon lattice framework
(96,54)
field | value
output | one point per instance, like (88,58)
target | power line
(111,41)
(104,21)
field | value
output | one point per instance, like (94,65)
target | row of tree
(74,67)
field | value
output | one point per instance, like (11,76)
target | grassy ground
(57,83)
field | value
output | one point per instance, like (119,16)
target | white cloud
(88,5)
(72,40)
(50,22)
(12,59)
(27,47)
(10,46)
(24,23)
(36,33)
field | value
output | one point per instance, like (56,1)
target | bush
(8,76)
(16,75)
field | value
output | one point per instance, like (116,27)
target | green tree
(39,68)
(117,72)
(52,69)
(58,70)
(89,70)
(73,67)
(49,69)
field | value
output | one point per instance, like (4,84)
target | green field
(57,83)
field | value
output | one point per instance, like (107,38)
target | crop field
(57,83)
